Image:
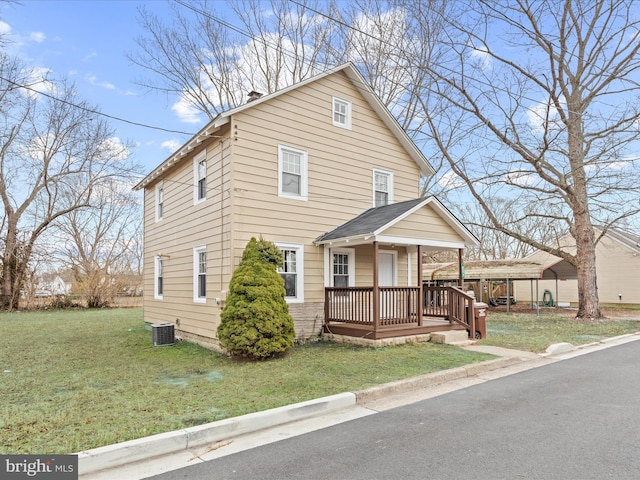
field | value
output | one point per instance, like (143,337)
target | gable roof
(356,79)
(371,224)
(627,240)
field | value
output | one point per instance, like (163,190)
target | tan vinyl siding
(243,202)
(364,265)
(424,223)
(185,226)
(340,170)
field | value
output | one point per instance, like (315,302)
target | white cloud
(186,112)
(38,82)
(5,28)
(90,56)
(93,80)
(481,55)
(37,37)
(521,179)
(542,116)
(450,181)
(171,145)
(114,149)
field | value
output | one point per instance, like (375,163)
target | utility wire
(273,45)
(91,110)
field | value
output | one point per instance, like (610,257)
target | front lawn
(75,380)
(534,333)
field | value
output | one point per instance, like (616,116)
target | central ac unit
(163,334)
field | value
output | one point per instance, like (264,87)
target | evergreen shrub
(255,322)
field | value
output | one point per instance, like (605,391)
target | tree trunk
(588,301)
(9,266)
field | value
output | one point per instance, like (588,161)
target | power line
(91,110)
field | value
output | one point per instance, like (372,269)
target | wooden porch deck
(397,311)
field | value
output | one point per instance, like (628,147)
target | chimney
(253,95)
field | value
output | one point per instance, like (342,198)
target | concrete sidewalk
(145,457)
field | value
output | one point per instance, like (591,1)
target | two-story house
(323,170)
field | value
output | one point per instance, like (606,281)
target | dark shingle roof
(370,220)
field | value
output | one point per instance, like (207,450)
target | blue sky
(86,42)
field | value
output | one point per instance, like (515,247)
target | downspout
(460,267)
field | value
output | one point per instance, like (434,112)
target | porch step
(451,337)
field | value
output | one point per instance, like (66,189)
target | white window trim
(299,248)
(196,271)
(156,267)
(347,122)
(159,188)
(196,178)
(389,185)
(304,181)
(328,265)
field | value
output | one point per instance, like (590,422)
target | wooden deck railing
(398,306)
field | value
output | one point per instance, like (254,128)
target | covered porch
(384,308)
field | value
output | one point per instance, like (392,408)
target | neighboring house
(617,267)
(52,285)
(323,170)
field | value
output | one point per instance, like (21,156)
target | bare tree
(98,243)
(538,101)
(211,65)
(494,243)
(54,150)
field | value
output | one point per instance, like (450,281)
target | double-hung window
(292,172)
(159,202)
(342,267)
(382,188)
(292,271)
(200,178)
(340,270)
(341,113)
(200,275)
(158,287)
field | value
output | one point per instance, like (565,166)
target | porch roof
(373,225)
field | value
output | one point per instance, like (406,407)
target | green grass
(74,380)
(530,332)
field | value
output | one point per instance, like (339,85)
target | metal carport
(540,266)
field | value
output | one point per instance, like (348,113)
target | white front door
(387,278)
(387,269)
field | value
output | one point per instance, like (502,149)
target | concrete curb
(567,350)
(119,454)
(112,456)
(126,453)
(431,379)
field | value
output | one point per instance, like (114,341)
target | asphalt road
(574,419)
